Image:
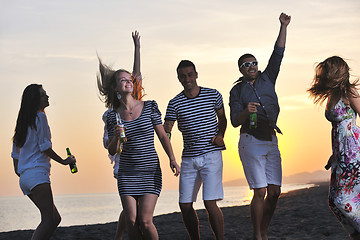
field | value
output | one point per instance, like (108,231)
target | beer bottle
(122,137)
(169,135)
(73,166)
(253,120)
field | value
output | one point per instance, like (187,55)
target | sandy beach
(301,214)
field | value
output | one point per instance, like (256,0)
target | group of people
(200,116)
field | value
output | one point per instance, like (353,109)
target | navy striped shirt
(197,120)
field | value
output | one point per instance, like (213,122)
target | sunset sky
(54,43)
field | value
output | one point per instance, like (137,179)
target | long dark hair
(332,79)
(30,103)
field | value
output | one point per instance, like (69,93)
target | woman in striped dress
(139,175)
(106,74)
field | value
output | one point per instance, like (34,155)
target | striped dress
(139,167)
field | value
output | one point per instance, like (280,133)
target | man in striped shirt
(201,119)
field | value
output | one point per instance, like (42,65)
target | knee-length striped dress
(139,167)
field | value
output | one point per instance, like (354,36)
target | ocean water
(19,213)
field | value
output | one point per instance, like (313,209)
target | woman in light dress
(331,83)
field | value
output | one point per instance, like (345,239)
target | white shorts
(206,169)
(33,177)
(261,161)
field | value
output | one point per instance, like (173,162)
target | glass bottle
(253,120)
(73,166)
(122,137)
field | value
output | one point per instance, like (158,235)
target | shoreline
(300,214)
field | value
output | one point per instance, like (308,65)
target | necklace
(130,110)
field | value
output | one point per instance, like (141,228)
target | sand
(301,214)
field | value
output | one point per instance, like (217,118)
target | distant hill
(300,178)
(306,177)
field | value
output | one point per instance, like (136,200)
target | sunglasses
(248,64)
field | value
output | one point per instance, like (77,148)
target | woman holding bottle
(104,78)
(32,150)
(139,174)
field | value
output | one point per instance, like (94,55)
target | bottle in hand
(253,120)
(73,166)
(122,139)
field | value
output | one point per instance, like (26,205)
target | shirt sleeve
(219,101)
(170,112)
(15,151)
(235,104)
(110,124)
(155,114)
(43,132)
(106,135)
(273,68)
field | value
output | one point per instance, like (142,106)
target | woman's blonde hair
(332,78)
(106,81)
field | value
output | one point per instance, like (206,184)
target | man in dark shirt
(258,146)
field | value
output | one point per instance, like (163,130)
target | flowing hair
(106,81)
(332,78)
(30,103)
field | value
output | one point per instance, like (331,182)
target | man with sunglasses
(254,92)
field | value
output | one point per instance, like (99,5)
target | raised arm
(136,39)
(284,21)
